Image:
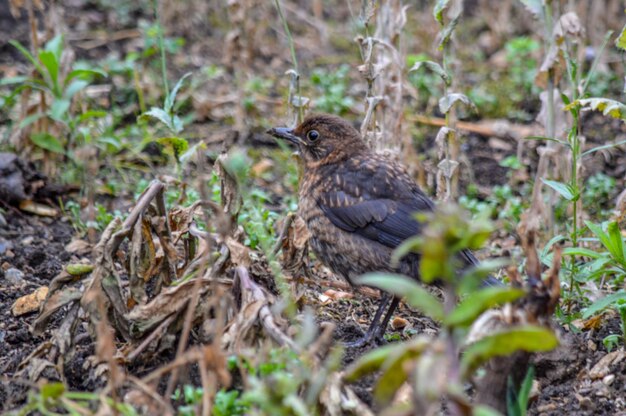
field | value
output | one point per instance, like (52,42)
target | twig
(265,314)
(153,335)
(283,233)
(150,392)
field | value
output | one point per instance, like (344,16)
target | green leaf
(396,369)
(407,288)
(617,243)
(372,361)
(48,59)
(517,404)
(529,338)
(176,145)
(52,391)
(620,42)
(606,146)
(483,410)
(478,302)
(74,87)
(440,6)
(581,251)
(410,245)
(550,139)
(565,190)
(611,240)
(187,155)
(159,114)
(91,114)
(28,56)
(433,67)
(55,46)
(549,244)
(85,74)
(600,304)
(28,120)
(446,33)
(171,97)
(13,80)
(48,142)
(446,102)
(59,109)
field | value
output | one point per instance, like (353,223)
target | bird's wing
(381,211)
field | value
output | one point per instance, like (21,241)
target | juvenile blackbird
(358,205)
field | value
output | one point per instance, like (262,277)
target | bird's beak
(285,133)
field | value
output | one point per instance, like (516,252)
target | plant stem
(294,60)
(161,45)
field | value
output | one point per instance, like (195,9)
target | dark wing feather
(383,211)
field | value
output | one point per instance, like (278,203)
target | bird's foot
(367,339)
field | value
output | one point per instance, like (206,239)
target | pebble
(5,245)
(14,276)
(27,240)
(608,380)
(585,402)
(592,345)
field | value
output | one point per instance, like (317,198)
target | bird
(358,206)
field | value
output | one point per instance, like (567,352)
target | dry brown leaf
(78,246)
(29,303)
(398,323)
(239,254)
(38,209)
(324,300)
(337,294)
(262,166)
(593,322)
(568,25)
(301,233)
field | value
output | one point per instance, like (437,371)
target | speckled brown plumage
(358,205)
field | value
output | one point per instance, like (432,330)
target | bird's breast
(346,254)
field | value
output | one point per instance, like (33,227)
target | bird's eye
(313,135)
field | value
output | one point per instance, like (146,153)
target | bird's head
(322,139)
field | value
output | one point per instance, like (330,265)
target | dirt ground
(32,252)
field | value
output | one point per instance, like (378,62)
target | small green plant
(229,403)
(522,65)
(611,342)
(517,404)
(502,204)
(333,89)
(426,83)
(598,191)
(191,396)
(54,398)
(617,301)
(103,217)
(422,359)
(282,382)
(61,91)
(176,146)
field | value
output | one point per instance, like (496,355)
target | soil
(35,246)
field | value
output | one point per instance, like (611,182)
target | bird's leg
(374,326)
(383,325)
